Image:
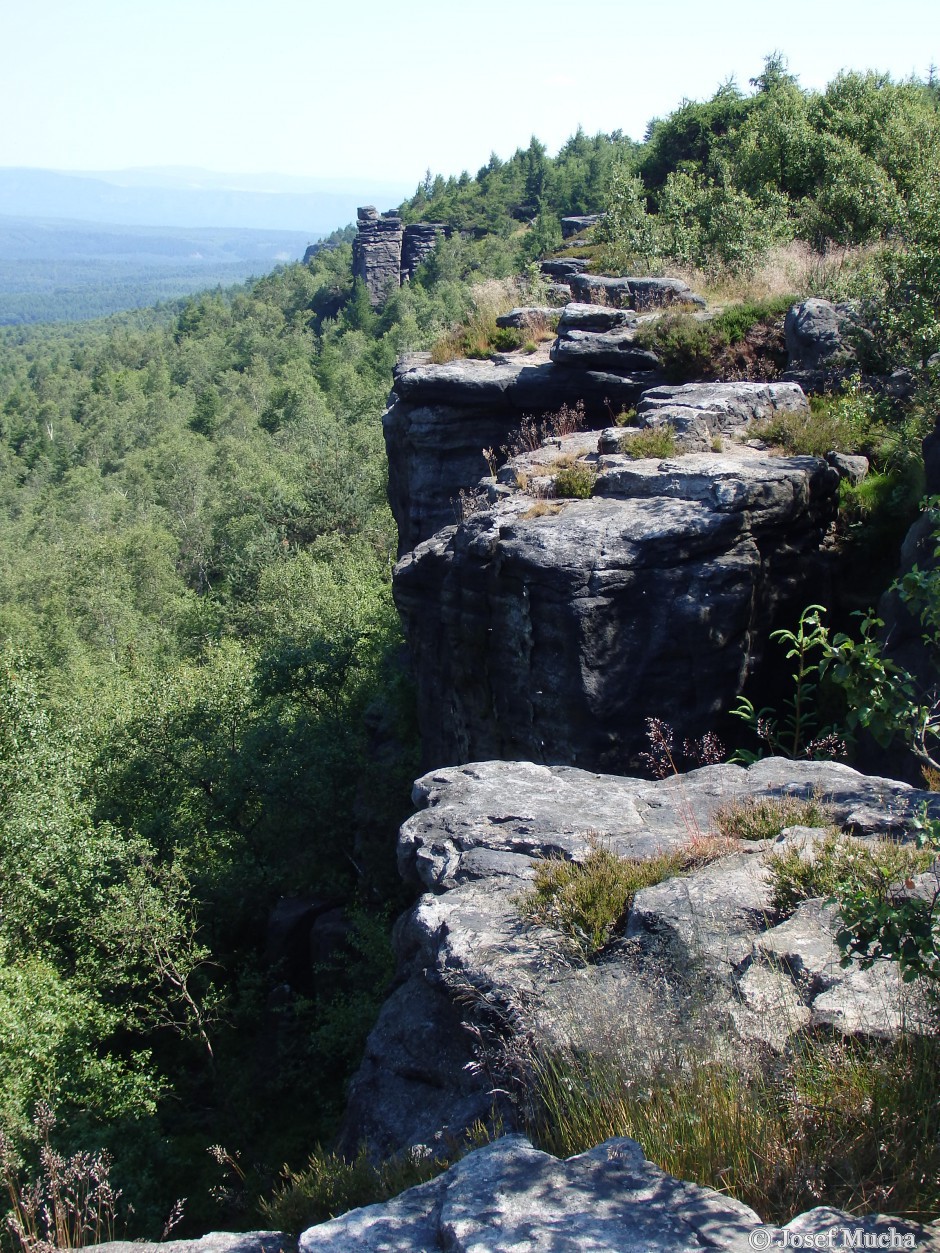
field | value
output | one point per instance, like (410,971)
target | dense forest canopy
(204,707)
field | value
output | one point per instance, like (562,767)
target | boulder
(576,223)
(698,412)
(214,1242)
(527,317)
(552,632)
(819,335)
(703,963)
(418,241)
(579,317)
(563,268)
(594,350)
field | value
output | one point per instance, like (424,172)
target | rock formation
(703,959)
(386,253)
(552,631)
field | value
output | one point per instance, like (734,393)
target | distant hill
(191,198)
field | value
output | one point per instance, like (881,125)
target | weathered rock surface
(551,632)
(576,223)
(580,317)
(610,350)
(718,408)
(441,418)
(563,268)
(638,293)
(417,245)
(704,962)
(509,1197)
(214,1242)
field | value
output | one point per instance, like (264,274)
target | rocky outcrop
(698,412)
(551,630)
(386,253)
(511,1198)
(703,963)
(417,245)
(441,417)
(527,317)
(819,335)
(636,293)
(214,1242)
(576,223)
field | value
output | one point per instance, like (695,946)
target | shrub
(587,901)
(764,817)
(576,481)
(839,865)
(654,441)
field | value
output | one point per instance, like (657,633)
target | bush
(838,866)
(654,442)
(576,481)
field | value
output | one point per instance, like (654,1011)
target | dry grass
(849,1123)
(764,817)
(479,336)
(540,509)
(787,268)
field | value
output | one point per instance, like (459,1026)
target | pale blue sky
(386,89)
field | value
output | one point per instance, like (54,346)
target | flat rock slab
(526,317)
(581,317)
(616,350)
(214,1242)
(511,1198)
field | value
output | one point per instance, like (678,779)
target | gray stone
(214,1242)
(563,268)
(377,253)
(578,317)
(574,224)
(613,350)
(418,241)
(817,335)
(558,293)
(441,418)
(854,469)
(705,964)
(638,293)
(727,408)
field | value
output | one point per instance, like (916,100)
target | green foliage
(842,867)
(799,734)
(692,348)
(764,817)
(329,1185)
(586,901)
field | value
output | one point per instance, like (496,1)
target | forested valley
(206,707)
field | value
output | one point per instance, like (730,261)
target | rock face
(576,223)
(510,1198)
(698,412)
(386,253)
(551,631)
(417,245)
(704,962)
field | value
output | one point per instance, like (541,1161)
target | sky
(375,89)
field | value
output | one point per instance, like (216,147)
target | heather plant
(764,817)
